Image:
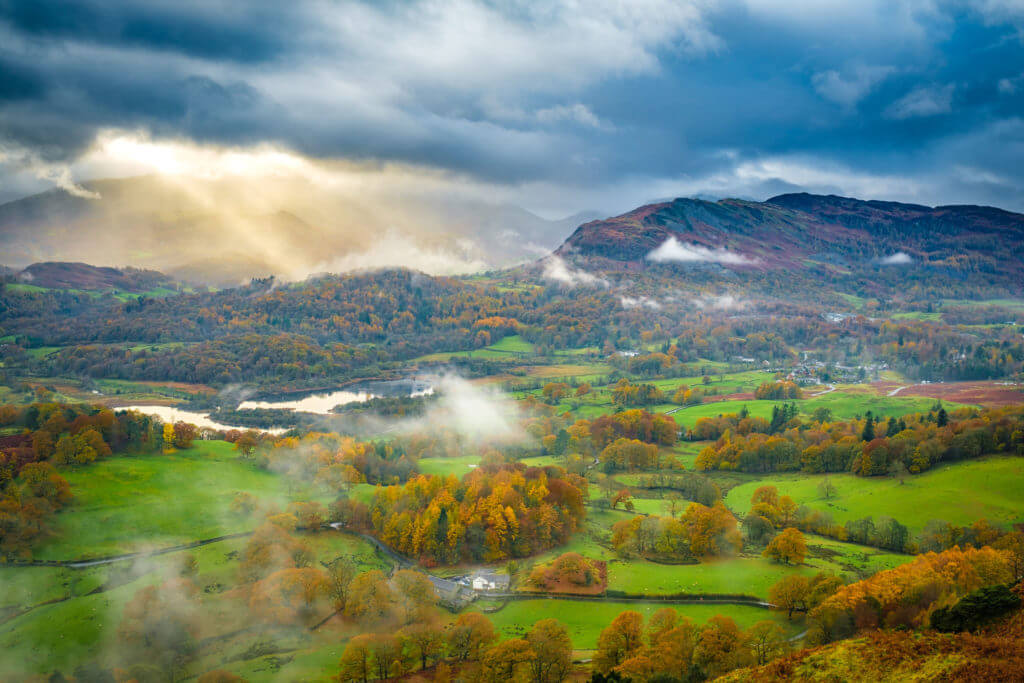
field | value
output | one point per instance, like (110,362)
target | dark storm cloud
(929,93)
(244,32)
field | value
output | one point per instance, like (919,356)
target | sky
(558,106)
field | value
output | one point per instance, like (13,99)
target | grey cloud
(540,95)
(925,101)
(848,88)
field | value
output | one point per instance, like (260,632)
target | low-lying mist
(255,217)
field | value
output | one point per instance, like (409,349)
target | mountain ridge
(789,230)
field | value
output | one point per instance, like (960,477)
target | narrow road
(896,391)
(831,388)
(110,559)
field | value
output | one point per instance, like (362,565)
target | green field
(128,503)
(686,452)
(445,466)
(844,405)
(507,348)
(746,574)
(734,576)
(362,492)
(585,620)
(960,493)
(512,344)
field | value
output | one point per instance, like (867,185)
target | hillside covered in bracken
(993,653)
(805,231)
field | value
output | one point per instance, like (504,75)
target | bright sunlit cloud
(674,250)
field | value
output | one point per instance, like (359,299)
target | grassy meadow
(585,620)
(123,504)
(991,487)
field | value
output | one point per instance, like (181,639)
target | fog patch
(640,302)
(393,250)
(900,258)
(557,270)
(721,302)
(478,414)
(674,250)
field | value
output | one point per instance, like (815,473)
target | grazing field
(991,393)
(843,404)
(746,574)
(128,503)
(991,487)
(585,620)
(686,452)
(855,560)
(542,461)
(751,576)
(726,383)
(457,466)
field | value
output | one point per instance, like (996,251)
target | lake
(324,402)
(170,414)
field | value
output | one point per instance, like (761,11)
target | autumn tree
(415,593)
(791,593)
(356,664)
(246,444)
(555,391)
(895,597)
(506,662)
(639,667)
(244,504)
(288,595)
(184,434)
(623,497)
(720,647)
(386,652)
(469,635)
(788,546)
(425,641)
(369,596)
(340,573)
(310,515)
(711,530)
(619,641)
(168,438)
(629,454)
(671,650)
(552,652)
(1013,544)
(160,624)
(271,548)
(767,640)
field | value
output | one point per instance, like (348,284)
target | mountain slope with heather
(806,231)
